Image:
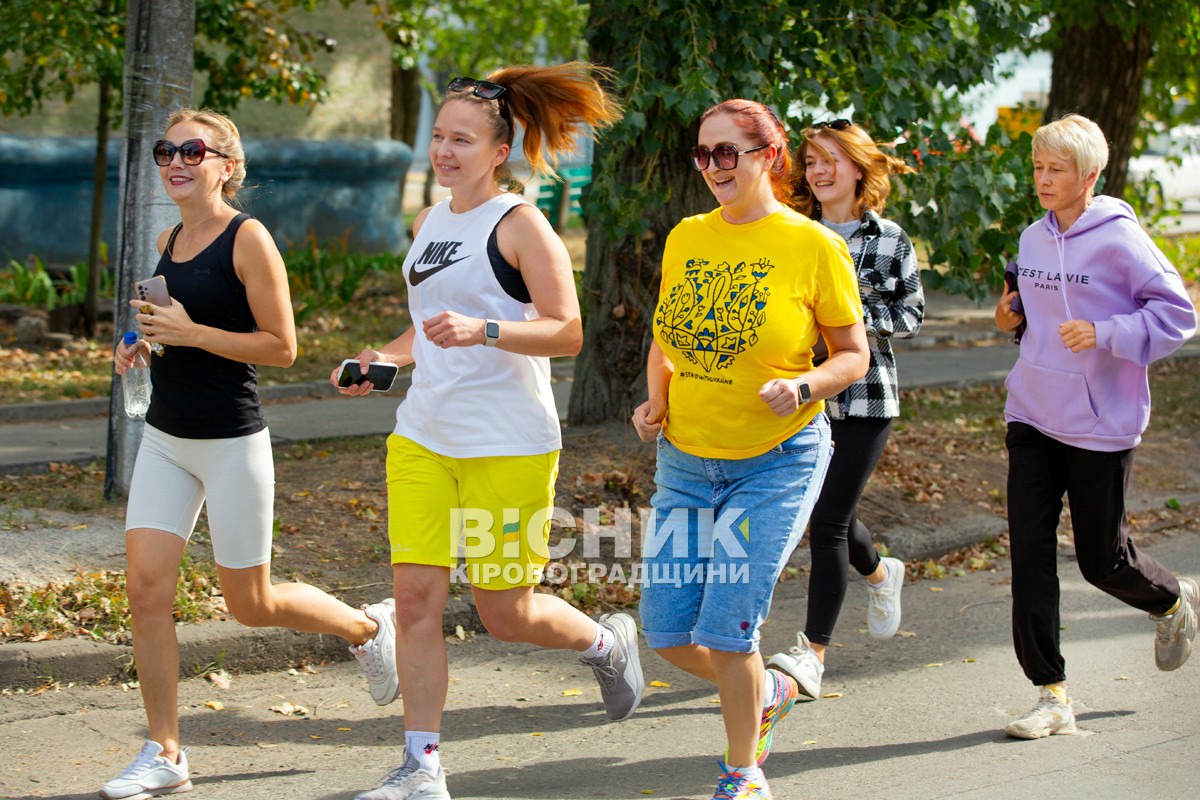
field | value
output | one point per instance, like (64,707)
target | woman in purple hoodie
(1100,302)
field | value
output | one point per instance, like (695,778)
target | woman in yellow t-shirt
(735,402)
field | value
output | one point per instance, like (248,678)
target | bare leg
(691,658)
(740,684)
(739,679)
(522,615)
(421,593)
(150,582)
(255,601)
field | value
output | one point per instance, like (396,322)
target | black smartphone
(380,373)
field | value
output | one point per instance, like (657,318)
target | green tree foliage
(245,48)
(902,65)
(1128,66)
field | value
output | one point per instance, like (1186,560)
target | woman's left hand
(451,329)
(781,395)
(1078,335)
(165,324)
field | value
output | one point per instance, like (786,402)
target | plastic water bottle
(136,382)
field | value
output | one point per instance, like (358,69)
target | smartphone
(380,373)
(152,290)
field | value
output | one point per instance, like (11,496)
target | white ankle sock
(750,773)
(602,644)
(425,747)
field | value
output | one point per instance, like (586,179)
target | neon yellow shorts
(494,512)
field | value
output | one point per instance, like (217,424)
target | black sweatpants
(1040,471)
(836,539)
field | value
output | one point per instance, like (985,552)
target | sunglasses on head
(837,124)
(485,89)
(726,155)
(191,152)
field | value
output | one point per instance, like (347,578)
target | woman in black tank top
(206,442)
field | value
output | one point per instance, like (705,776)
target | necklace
(187,234)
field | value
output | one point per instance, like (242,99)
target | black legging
(836,538)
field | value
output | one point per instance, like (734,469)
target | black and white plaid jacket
(889,281)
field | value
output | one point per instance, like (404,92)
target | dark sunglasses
(726,155)
(837,125)
(191,152)
(485,89)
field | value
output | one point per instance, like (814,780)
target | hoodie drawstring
(1060,244)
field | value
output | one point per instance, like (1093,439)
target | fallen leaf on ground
(660,684)
(572,692)
(215,705)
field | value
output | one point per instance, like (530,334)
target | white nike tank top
(467,402)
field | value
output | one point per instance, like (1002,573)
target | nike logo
(437,253)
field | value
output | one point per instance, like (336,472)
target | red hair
(763,127)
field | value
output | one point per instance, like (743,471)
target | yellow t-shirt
(739,305)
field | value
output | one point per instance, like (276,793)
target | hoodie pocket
(1054,400)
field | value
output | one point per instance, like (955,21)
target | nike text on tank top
(467,402)
(198,394)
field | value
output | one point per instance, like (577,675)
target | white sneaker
(149,775)
(409,782)
(1173,640)
(801,663)
(883,613)
(377,656)
(1048,717)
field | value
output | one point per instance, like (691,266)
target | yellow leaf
(832,695)
(572,692)
(660,684)
(810,741)
(968,661)
(936,664)
(313,736)
(343,729)
(1122,678)
(302,494)
(215,705)
(647,791)
(81,526)
(936,589)
(715,701)
(535,734)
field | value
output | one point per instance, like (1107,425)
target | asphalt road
(916,717)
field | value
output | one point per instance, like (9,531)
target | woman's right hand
(124,354)
(1008,320)
(648,418)
(364,362)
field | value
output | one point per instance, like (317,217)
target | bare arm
(649,416)
(526,241)
(260,267)
(848,360)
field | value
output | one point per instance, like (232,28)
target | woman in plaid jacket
(844,184)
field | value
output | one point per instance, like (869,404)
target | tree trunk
(99,183)
(159,59)
(620,279)
(1099,72)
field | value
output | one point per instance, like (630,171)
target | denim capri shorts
(720,535)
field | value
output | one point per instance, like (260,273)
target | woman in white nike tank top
(472,461)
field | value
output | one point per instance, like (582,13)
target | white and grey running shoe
(619,672)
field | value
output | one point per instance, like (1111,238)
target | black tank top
(198,394)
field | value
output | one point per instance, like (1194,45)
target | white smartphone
(380,373)
(152,290)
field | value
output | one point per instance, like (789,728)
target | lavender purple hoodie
(1117,279)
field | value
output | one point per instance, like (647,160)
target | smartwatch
(491,332)
(803,390)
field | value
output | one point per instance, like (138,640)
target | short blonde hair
(225,139)
(1076,139)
